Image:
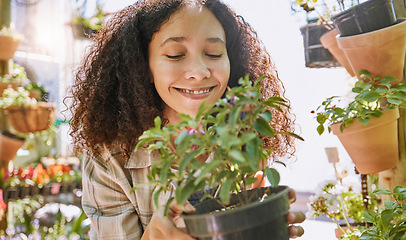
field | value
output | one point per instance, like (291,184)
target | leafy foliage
(370,93)
(390,222)
(230,132)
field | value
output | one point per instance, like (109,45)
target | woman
(157,58)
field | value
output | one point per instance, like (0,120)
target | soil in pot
(258,220)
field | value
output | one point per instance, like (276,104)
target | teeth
(195,92)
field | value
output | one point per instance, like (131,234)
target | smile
(195,91)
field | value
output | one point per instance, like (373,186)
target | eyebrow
(182,39)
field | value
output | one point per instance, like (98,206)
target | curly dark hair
(114,99)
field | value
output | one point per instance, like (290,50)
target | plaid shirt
(114,211)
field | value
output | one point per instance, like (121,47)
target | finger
(295,217)
(177,209)
(292,196)
(295,231)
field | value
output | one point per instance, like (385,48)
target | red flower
(3,205)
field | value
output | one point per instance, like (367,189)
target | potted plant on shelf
(25,114)
(367,123)
(231,133)
(9,41)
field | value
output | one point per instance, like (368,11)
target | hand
(161,227)
(295,217)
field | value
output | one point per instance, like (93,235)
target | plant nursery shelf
(20,192)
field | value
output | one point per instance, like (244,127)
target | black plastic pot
(257,220)
(365,17)
(316,56)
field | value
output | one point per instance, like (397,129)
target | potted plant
(231,133)
(367,123)
(15,78)
(9,41)
(389,222)
(381,52)
(319,34)
(25,114)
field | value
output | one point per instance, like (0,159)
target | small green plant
(17,97)
(8,32)
(230,132)
(390,221)
(17,75)
(373,95)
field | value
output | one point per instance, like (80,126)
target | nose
(197,69)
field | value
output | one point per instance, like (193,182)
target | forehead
(192,20)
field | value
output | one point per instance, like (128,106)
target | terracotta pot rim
(380,36)
(388,116)
(329,38)
(51,106)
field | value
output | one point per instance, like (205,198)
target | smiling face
(188,61)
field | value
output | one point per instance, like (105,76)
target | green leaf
(273,176)
(389,79)
(225,191)
(263,127)
(237,155)
(292,134)
(386,217)
(364,121)
(180,137)
(267,115)
(189,157)
(382,191)
(183,193)
(253,149)
(357,89)
(321,118)
(400,95)
(156,196)
(369,216)
(320,129)
(394,101)
(371,96)
(157,122)
(207,169)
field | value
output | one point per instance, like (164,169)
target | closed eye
(175,56)
(214,55)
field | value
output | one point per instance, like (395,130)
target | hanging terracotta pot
(374,147)
(9,145)
(8,46)
(329,41)
(31,118)
(381,52)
